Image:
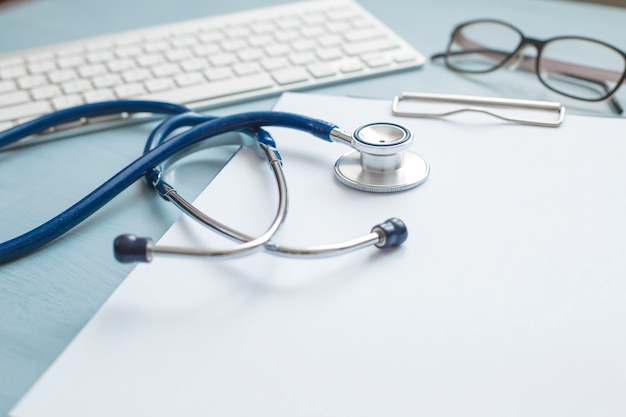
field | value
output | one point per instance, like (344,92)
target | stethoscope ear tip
(130,248)
(392,232)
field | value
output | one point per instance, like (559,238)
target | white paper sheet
(508,299)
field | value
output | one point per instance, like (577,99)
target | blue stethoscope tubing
(65,221)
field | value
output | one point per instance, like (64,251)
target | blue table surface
(47,297)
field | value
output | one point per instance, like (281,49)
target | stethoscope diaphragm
(381,161)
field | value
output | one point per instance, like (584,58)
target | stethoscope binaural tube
(129,248)
(392,232)
(258,138)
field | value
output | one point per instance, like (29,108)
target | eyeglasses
(581,68)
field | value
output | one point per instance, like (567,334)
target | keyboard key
(302,58)
(11,62)
(71,61)
(45,92)
(31,81)
(264,27)
(99,95)
(62,75)
(250,55)
(233,45)
(156,46)
(107,80)
(370,46)
(150,60)
(66,101)
(183,41)
(277,50)
(404,56)
(193,64)
(338,28)
(129,90)
(376,61)
(260,40)
(330,40)
(128,51)
(164,70)
(189,78)
(322,70)
(351,65)
(99,56)
(41,67)
(76,86)
(286,35)
(21,111)
(119,65)
(136,74)
(216,89)
(159,84)
(272,64)
(237,31)
(40,56)
(313,31)
(176,55)
(206,49)
(215,74)
(6,86)
(211,36)
(314,18)
(303,45)
(246,68)
(329,54)
(12,98)
(222,59)
(290,76)
(88,71)
(289,23)
(9,73)
(358,35)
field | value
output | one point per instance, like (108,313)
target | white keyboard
(206,62)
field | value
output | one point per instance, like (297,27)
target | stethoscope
(379,162)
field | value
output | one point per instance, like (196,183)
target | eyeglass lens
(576,67)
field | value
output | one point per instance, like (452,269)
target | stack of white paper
(509,297)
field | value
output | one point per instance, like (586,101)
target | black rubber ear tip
(394,231)
(130,248)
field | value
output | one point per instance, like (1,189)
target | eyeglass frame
(539,46)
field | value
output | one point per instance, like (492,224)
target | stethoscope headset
(380,162)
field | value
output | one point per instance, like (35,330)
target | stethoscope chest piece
(381,161)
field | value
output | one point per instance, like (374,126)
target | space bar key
(214,89)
